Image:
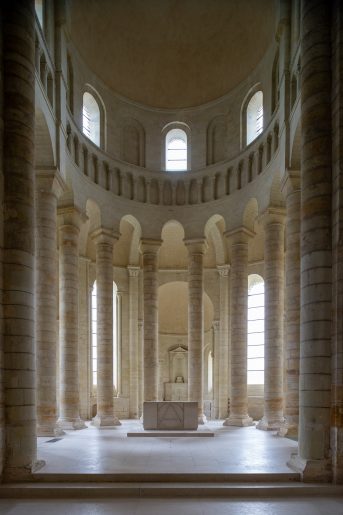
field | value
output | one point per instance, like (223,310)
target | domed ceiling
(171,53)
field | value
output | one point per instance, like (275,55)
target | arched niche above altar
(177,387)
(178,364)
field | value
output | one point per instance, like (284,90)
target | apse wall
(121,112)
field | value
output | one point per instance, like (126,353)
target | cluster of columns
(70,222)
(149,250)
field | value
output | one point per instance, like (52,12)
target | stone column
(224,379)
(48,187)
(337,240)
(274,235)
(104,240)
(314,458)
(216,365)
(239,328)
(149,250)
(196,249)
(141,365)
(18,40)
(134,356)
(69,230)
(291,188)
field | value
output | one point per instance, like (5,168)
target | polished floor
(231,450)
(296,506)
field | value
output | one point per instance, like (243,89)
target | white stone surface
(260,506)
(232,450)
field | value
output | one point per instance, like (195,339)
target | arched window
(255,330)
(91,118)
(94,336)
(254,116)
(176,150)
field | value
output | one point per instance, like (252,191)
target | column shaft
(134,356)
(141,365)
(46,284)
(224,341)
(69,417)
(216,365)
(196,249)
(316,245)
(292,306)
(273,321)
(149,249)
(18,256)
(239,329)
(104,241)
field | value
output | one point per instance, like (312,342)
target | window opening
(91,118)
(210,372)
(176,150)
(256,330)
(94,335)
(254,117)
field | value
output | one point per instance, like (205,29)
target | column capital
(290,182)
(102,235)
(196,245)
(133,271)
(71,215)
(49,180)
(223,270)
(149,246)
(239,235)
(273,216)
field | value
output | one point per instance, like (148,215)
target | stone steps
(168,477)
(59,490)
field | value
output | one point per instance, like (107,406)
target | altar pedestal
(170,415)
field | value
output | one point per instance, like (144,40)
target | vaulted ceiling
(171,53)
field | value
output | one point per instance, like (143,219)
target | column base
(239,421)
(23,473)
(49,430)
(71,424)
(289,430)
(312,471)
(202,419)
(270,425)
(105,421)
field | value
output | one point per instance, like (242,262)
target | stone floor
(299,506)
(232,450)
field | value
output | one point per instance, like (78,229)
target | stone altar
(170,415)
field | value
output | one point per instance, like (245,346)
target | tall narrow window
(91,118)
(256,330)
(210,372)
(94,336)
(176,150)
(254,116)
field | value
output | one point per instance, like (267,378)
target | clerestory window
(176,150)
(91,118)
(254,116)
